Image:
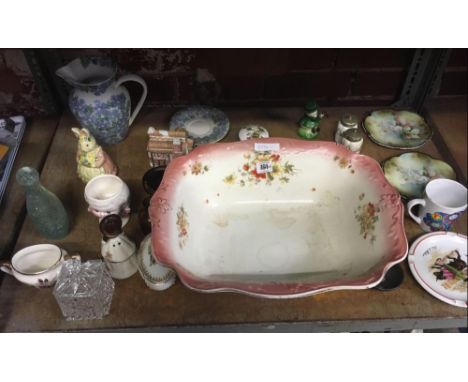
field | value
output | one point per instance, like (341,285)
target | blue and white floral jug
(99,101)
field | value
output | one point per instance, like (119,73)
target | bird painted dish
(203,124)
(410,172)
(400,129)
(438,261)
(277,218)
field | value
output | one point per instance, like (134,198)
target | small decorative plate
(397,129)
(203,124)
(438,261)
(252,132)
(410,172)
(156,276)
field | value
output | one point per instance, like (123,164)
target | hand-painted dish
(399,129)
(156,276)
(438,261)
(203,124)
(410,172)
(302,218)
(253,132)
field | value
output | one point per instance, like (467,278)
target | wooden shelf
(137,308)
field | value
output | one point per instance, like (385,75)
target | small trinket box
(164,145)
(84,291)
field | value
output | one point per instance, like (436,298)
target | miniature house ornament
(91,159)
(309,124)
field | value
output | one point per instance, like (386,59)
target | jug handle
(141,81)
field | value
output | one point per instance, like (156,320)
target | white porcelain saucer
(438,262)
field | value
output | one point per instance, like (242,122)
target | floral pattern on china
(99,101)
(248,174)
(397,128)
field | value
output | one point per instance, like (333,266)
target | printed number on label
(264,167)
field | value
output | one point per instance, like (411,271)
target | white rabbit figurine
(118,251)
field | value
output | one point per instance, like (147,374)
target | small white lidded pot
(108,194)
(37,265)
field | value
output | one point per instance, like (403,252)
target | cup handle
(6,267)
(413,203)
(141,81)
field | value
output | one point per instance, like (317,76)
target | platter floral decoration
(232,170)
(281,172)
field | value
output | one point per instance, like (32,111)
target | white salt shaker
(118,251)
(352,139)
(347,121)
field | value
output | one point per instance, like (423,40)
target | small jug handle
(413,203)
(141,81)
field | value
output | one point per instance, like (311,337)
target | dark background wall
(241,76)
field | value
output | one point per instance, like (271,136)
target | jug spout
(88,71)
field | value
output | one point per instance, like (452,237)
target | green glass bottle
(45,210)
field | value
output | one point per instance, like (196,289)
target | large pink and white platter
(277,218)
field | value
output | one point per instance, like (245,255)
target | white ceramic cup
(444,201)
(108,194)
(37,265)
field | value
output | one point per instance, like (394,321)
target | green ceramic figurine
(309,124)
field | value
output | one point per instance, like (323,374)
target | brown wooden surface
(136,307)
(32,152)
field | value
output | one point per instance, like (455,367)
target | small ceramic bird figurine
(91,159)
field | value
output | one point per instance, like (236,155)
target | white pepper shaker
(352,139)
(347,121)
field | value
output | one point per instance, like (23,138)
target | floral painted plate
(203,124)
(400,129)
(277,218)
(438,261)
(410,172)
(252,132)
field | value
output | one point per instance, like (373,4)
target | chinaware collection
(98,100)
(202,124)
(287,198)
(438,262)
(443,203)
(400,129)
(37,265)
(259,216)
(410,172)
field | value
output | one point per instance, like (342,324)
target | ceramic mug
(108,194)
(37,265)
(444,202)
